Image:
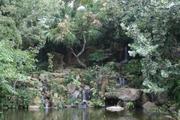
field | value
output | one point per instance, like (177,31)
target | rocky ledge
(125,94)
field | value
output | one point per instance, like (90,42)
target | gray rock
(75,94)
(144,98)
(149,107)
(125,94)
(34,108)
(162,98)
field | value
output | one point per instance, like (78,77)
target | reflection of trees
(75,115)
(80,114)
(97,114)
(48,115)
(1,115)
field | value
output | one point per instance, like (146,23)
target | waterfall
(46,105)
(43,99)
(84,103)
(125,56)
(84,95)
(45,95)
(45,102)
(121,81)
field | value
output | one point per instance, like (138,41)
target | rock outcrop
(125,94)
(150,107)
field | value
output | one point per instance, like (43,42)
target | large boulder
(144,98)
(75,94)
(150,107)
(162,98)
(34,108)
(125,94)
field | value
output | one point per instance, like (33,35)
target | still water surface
(80,114)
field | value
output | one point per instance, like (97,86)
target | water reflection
(79,114)
(85,114)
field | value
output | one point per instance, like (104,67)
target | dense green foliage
(15,63)
(149,28)
(154,30)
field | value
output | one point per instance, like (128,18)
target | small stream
(80,114)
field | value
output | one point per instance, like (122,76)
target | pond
(80,114)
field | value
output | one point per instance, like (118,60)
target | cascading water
(125,56)
(121,81)
(84,100)
(85,97)
(46,105)
(45,95)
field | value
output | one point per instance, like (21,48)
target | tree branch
(80,53)
(83,48)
